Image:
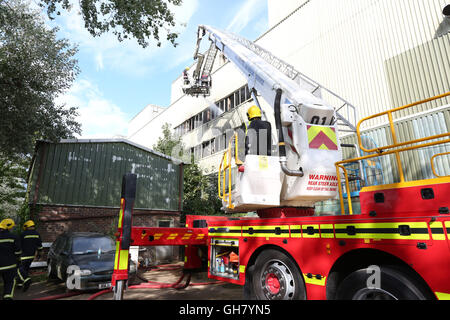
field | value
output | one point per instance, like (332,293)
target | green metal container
(89,173)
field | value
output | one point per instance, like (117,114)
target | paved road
(216,291)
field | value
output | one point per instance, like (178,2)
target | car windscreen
(83,245)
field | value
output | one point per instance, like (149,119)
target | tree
(199,191)
(138,18)
(13,174)
(168,142)
(35,68)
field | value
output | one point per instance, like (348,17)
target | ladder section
(209,62)
(346,113)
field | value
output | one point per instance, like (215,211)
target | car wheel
(276,277)
(396,284)
(51,274)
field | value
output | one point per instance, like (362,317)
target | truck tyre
(275,276)
(395,283)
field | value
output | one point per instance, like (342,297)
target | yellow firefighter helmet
(7,224)
(253,112)
(28,224)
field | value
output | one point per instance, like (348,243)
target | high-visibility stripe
(394,231)
(119,225)
(6,240)
(8,267)
(123,260)
(417,183)
(323,138)
(157,236)
(116,258)
(437,230)
(172,236)
(11,294)
(296,231)
(241,269)
(266,231)
(224,231)
(372,230)
(26,258)
(314,279)
(447,226)
(31,236)
(442,295)
(20,275)
(310,231)
(326,231)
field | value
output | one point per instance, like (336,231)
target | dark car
(83,260)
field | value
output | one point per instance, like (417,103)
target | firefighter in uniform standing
(9,255)
(258,134)
(31,244)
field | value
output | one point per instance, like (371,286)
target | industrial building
(75,185)
(375,54)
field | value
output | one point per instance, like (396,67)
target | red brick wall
(54,220)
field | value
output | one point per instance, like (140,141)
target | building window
(247,93)
(213,146)
(206,149)
(242,94)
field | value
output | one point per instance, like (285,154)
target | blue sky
(118,79)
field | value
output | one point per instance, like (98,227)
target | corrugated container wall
(377,54)
(90,174)
(416,164)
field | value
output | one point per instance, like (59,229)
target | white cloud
(245,14)
(126,56)
(99,117)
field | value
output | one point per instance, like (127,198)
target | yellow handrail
(225,168)
(390,149)
(432,164)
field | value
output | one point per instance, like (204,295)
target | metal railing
(225,170)
(395,149)
(433,168)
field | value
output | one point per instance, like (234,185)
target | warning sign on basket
(322,182)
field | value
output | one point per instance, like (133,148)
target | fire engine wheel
(394,284)
(276,277)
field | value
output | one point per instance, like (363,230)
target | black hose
(277,107)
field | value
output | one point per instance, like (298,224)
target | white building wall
(143,118)
(278,10)
(352,47)
(345,44)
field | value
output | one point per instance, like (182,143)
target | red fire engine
(396,247)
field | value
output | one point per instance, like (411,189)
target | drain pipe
(281,143)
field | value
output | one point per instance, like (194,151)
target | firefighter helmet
(7,224)
(253,112)
(28,224)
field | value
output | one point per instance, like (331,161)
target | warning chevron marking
(323,138)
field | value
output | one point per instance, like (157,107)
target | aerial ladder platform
(401,234)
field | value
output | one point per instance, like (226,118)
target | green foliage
(168,142)
(35,68)
(140,19)
(199,191)
(13,174)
